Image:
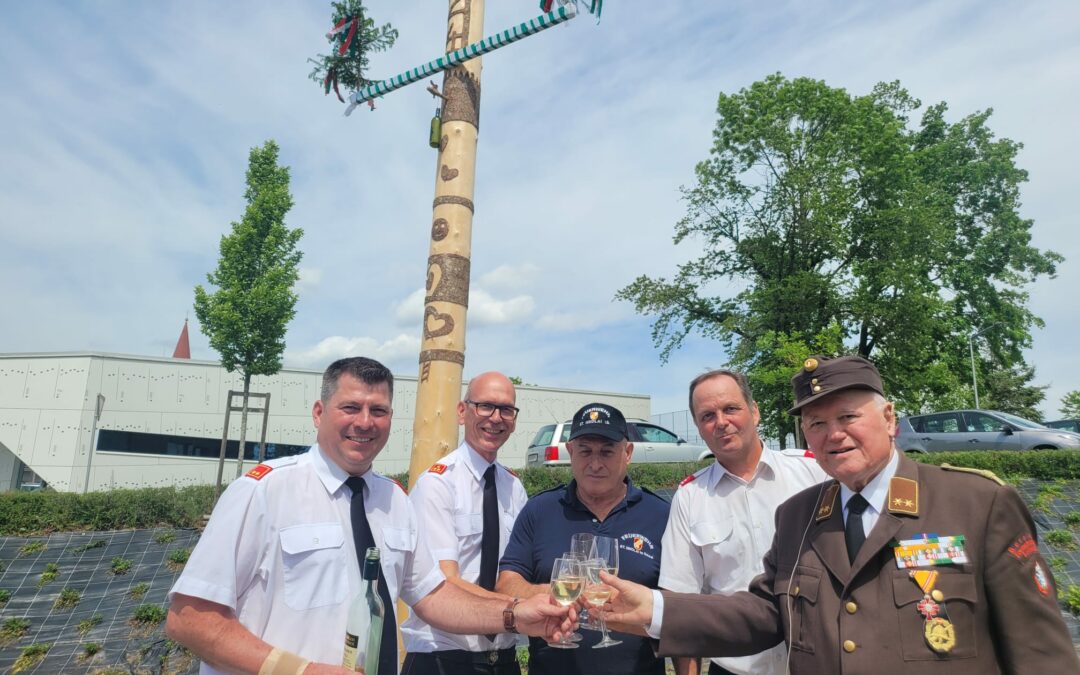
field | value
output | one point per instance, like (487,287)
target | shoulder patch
(396,482)
(808,453)
(259,471)
(437,468)
(688,479)
(989,475)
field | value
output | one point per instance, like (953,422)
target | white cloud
(585,319)
(511,276)
(484,309)
(328,349)
(310,277)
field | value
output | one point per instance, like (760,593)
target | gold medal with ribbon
(937,629)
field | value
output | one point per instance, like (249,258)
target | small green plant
(31,656)
(52,570)
(68,599)
(139,590)
(120,565)
(5,595)
(179,558)
(1058,563)
(1072,519)
(13,629)
(165,537)
(86,625)
(1062,539)
(89,649)
(32,547)
(96,543)
(1072,598)
(148,615)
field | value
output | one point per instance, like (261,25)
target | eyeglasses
(507,412)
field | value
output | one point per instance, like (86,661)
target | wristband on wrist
(281,662)
(508,616)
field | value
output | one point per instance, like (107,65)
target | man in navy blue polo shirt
(600,500)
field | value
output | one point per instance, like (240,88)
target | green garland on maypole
(354,35)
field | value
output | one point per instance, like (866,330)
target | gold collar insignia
(903,496)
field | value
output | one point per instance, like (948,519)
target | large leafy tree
(832,223)
(246,317)
(1070,404)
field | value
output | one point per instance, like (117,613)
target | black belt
(489,658)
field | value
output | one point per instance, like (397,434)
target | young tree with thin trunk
(246,317)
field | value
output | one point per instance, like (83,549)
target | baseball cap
(599,419)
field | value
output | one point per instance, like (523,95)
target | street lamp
(971,352)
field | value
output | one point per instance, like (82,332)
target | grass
(52,570)
(1058,563)
(148,615)
(139,590)
(13,629)
(87,625)
(89,649)
(31,547)
(178,558)
(90,545)
(1072,519)
(120,565)
(31,656)
(1072,598)
(164,537)
(1062,539)
(68,599)
(5,595)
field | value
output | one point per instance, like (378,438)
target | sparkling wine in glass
(567,582)
(596,591)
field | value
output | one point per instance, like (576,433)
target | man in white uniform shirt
(267,589)
(467,504)
(721,523)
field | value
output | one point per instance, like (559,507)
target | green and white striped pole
(491,43)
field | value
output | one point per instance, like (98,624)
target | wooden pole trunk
(442,350)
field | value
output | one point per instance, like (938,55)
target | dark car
(1068,425)
(956,430)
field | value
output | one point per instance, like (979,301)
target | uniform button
(851,607)
(795,592)
(849,646)
(937,595)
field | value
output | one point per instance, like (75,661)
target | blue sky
(127,127)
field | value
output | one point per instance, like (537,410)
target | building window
(187,446)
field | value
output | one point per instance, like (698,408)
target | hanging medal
(937,629)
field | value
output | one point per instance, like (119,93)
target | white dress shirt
(875,493)
(720,529)
(449,501)
(279,552)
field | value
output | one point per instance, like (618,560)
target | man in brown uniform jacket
(892,567)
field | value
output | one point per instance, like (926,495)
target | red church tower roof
(183,347)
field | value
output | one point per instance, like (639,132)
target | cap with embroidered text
(599,419)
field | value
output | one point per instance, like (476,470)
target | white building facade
(161,420)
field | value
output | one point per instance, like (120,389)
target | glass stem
(603,628)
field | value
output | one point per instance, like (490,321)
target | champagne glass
(567,583)
(581,545)
(596,591)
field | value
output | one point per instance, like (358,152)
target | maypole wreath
(353,37)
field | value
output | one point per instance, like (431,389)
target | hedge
(46,511)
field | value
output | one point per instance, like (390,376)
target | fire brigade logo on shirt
(259,471)
(594,415)
(638,543)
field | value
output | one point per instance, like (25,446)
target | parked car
(956,430)
(1068,425)
(652,443)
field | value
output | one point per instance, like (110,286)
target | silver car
(958,430)
(652,443)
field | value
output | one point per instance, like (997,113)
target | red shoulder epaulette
(809,453)
(259,471)
(688,479)
(437,468)
(396,482)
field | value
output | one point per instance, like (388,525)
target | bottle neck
(371,571)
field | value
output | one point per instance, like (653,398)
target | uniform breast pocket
(313,559)
(797,592)
(398,544)
(468,525)
(956,638)
(719,550)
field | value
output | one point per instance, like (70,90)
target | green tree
(1070,404)
(832,221)
(246,317)
(1010,390)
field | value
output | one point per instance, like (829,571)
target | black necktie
(489,543)
(363,539)
(854,534)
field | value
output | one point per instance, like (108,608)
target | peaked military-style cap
(821,376)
